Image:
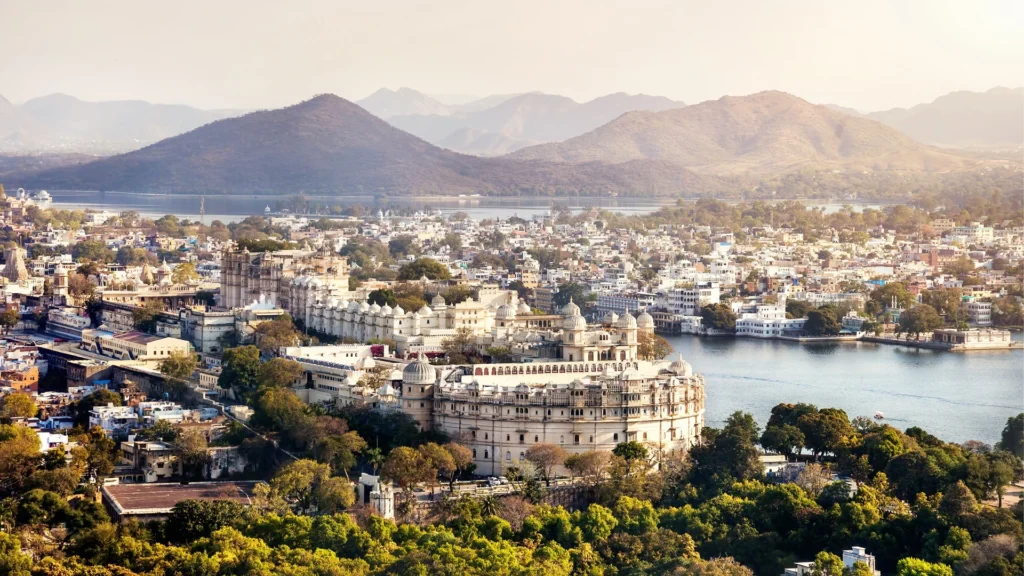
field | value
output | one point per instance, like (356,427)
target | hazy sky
(254,54)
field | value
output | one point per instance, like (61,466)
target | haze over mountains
(59,122)
(329,145)
(332,146)
(992,119)
(501,124)
(768,132)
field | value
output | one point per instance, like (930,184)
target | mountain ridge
(769,131)
(328,144)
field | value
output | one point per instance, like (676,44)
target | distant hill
(385,103)
(329,145)
(963,119)
(765,132)
(62,122)
(523,119)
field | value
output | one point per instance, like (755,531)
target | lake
(229,209)
(955,396)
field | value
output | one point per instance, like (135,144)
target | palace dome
(611,318)
(571,309)
(681,367)
(524,308)
(627,321)
(505,312)
(398,311)
(575,322)
(386,310)
(645,320)
(437,301)
(419,372)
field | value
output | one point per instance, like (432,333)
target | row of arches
(556,368)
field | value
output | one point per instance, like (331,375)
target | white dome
(645,320)
(608,372)
(386,310)
(437,301)
(425,311)
(386,390)
(364,307)
(419,372)
(375,308)
(611,318)
(574,323)
(353,306)
(368,363)
(571,309)
(681,367)
(627,321)
(631,374)
(398,311)
(524,308)
(506,312)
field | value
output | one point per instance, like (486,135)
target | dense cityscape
(402,391)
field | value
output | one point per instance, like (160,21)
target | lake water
(955,396)
(229,209)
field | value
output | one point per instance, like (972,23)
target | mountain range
(61,122)
(329,145)
(992,119)
(768,132)
(501,124)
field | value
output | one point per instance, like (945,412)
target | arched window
(522,438)
(615,437)
(508,456)
(474,452)
(645,436)
(508,437)
(536,438)
(486,456)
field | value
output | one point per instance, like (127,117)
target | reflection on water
(957,397)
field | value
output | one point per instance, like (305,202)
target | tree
(462,458)
(184,273)
(280,373)
(190,520)
(459,346)
(19,457)
(825,430)
(918,567)
(18,405)
(382,296)
(546,457)
(827,564)
(438,461)
(797,308)
(308,484)
(650,346)
(920,319)
(276,334)
(421,267)
(240,369)
(101,397)
(822,322)
(178,367)
(718,317)
(402,245)
(786,439)
(569,291)
(945,301)
(80,285)
(193,457)
(1012,439)
(405,467)
(339,450)
(145,316)
(961,267)
(95,250)
(882,297)
(9,319)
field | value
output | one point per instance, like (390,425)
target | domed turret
(571,309)
(398,311)
(576,322)
(627,321)
(524,308)
(611,318)
(419,372)
(386,310)
(681,367)
(437,302)
(645,321)
(505,312)
(375,308)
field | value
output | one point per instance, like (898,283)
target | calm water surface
(955,396)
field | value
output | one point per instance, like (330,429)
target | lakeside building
(689,301)
(247,276)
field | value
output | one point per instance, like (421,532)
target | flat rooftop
(159,498)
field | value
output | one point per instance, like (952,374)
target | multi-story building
(978,312)
(133,345)
(768,321)
(975,232)
(499,411)
(67,322)
(689,301)
(246,276)
(628,301)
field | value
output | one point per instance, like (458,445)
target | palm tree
(375,457)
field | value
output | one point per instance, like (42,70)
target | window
(508,456)
(508,437)
(615,437)
(521,438)
(576,439)
(474,452)
(535,438)
(486,456)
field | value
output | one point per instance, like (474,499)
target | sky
(867,54)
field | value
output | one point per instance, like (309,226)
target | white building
(114,420)
(859,554)
(768,321)
(689,301)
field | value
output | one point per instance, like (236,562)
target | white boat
(879,416)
